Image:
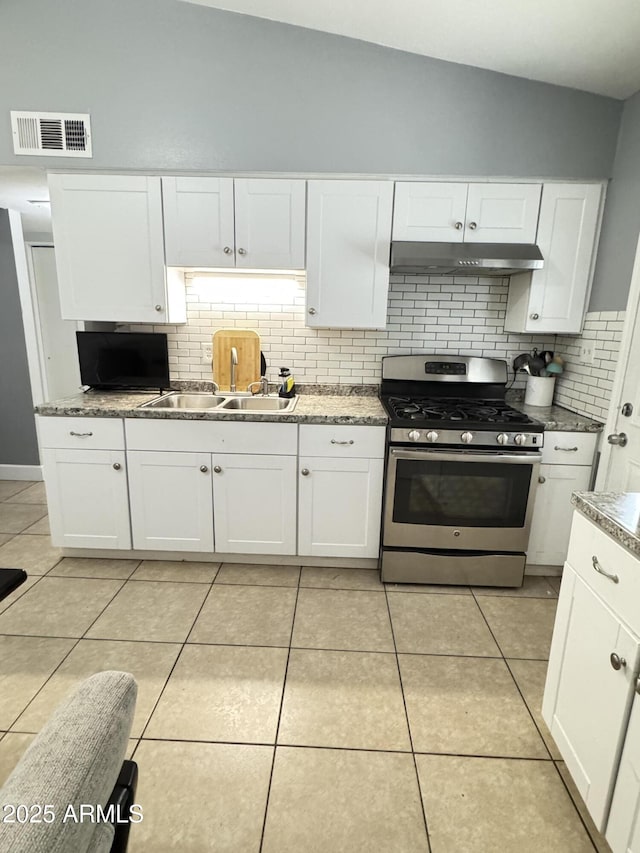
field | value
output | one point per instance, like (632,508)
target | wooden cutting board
(247,343)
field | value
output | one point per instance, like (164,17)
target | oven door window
(461,494)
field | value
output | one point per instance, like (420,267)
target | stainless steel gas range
(461,472)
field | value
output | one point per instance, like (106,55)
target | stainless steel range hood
(495,259)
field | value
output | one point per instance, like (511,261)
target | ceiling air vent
(51,134)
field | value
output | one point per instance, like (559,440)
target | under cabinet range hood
(495,259)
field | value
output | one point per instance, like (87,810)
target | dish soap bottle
(287,383)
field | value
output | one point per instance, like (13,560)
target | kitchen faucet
(233,365)
(263,383)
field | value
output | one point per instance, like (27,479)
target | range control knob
(520,439)
(502,438)
(432,436)
(466,437)
(414,435)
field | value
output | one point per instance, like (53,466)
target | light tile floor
(286,710)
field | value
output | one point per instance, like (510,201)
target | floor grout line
(408,722)
(284,687)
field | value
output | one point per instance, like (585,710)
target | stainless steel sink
(260,404)
(185,401)
(222,402)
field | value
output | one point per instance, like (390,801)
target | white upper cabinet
(270,223)
(554,298)
(348,245)
(252,223)
(198,221)
(107,231)
(470,213)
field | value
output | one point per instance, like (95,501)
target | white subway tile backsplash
(425,314)
(586,388)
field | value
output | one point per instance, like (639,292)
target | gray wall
(175,86)
(621,223)
(18,442)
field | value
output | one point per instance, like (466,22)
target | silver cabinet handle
(566,449)
(458,226)
(81,434)
(333,441)
(242,251)
(228,250)
(638,686)
(598,568)
(312,310)
(616,661)
(473,226)
(305,472)
(117,466)
(217,469)
(534,316)
(204,469)
(619,439)
(542,479)
(158,307)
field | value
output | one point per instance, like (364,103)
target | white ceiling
(584,44)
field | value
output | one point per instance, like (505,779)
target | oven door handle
(524,458)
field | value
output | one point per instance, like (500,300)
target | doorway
(620,462)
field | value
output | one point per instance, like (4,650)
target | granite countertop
(311,408)
(617,513)
(555,417)
(316,404)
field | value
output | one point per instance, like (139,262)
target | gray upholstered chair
(77,759)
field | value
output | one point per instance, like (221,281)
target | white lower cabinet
(566,467)
(586,700)
(623,827)
(214,486)
(340,490)
(254,500)
(339,507)
(552,512)
(171,500)
(87,498)
(592,678)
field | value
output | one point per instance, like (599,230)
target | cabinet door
(586,701)
(623,827)
(554,298)
(270,220)
(108,235)
(339,507)
(566,237)
(198,222)
(433,212)
(552,512)
(348,244)
(502,213)
(171,501)
(87,497)
(254,503)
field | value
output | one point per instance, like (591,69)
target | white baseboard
(254,559)
(20,472)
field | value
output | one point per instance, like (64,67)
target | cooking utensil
(554,368)
(520,362)
(248,368)
(536,365)
(547,355)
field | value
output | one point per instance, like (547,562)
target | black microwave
(111,361)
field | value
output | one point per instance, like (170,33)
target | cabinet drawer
(81,433)
(366,442)
(212,436)
(587,542)
(569,448)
